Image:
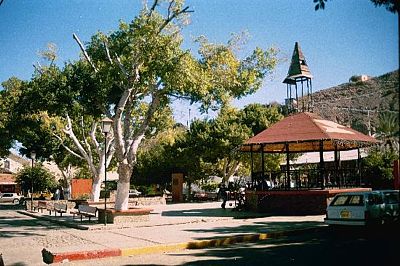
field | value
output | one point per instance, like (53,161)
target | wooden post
(287,166)
(359,166)
(337,167)
(262,166)
(321,163)
(252,165)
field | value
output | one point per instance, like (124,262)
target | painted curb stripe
(49,257)
(153,249)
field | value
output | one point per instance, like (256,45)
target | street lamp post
(106,128)
(33,157)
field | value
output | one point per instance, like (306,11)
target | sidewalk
(171,227)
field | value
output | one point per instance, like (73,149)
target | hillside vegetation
(359,103)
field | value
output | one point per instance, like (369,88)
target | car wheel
(16,201)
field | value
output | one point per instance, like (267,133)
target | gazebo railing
(306,179)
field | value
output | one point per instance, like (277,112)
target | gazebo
(300,133)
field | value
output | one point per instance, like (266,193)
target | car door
(391,200)
(376,207)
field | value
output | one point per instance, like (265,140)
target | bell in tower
(299,76)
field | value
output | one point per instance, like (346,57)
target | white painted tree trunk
(96,187)
(122,198)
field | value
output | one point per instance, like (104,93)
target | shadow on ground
(349,247)
(255,228)
(213,212)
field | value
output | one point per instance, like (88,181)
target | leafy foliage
(379,168)
(42,179)
(132,74)
(392,6)
(209,147)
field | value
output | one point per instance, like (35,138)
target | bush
(210,187)
(378,168)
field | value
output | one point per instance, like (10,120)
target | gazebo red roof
(304,132)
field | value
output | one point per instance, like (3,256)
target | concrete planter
(128,216)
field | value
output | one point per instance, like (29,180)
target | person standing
(57,194)
(223,194)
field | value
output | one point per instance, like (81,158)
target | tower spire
(298,73)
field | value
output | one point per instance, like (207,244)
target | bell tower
(298,78)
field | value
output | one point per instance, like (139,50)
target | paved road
(346,247)
(22,237)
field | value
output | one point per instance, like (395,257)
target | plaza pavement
(170,227)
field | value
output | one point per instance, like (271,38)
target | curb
(49,257)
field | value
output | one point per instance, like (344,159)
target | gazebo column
(287,166)
(337,167)
(359,166)
(262,166)
(252,165)
(321,163)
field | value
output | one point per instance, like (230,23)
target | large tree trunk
(96,187)
(122,198)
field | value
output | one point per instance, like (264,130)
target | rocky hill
(359,102)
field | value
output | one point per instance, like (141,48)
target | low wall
(309,202)
(50,203)
(128,216)
(146,201)
(133,202)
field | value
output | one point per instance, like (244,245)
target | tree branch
(121,66)
(84,52)
(69,131)
(38,69)
(108,52)
(174,15)
(94,139)
(153,7)
(139,135)
(67,148)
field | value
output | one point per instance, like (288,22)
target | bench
(85,210)
(60,208)
(41,205)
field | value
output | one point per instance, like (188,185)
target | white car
(10,198)
(363,208)
(134,193)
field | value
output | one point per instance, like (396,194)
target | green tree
(143,63)
(132,75)
(387,130)
(379,167)
(210,147)
(9,97)
(379,163)
(42,179)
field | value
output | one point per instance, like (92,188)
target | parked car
(363,208)
(205,195)
(391,199)
(134,193)
(11,198)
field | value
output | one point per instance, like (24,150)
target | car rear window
(348,200)
(391,197)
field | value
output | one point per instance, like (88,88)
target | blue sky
(349,37)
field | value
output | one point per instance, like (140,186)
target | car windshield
(348,200)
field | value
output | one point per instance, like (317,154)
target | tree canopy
(132,75)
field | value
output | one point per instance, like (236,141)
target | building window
(7,165)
